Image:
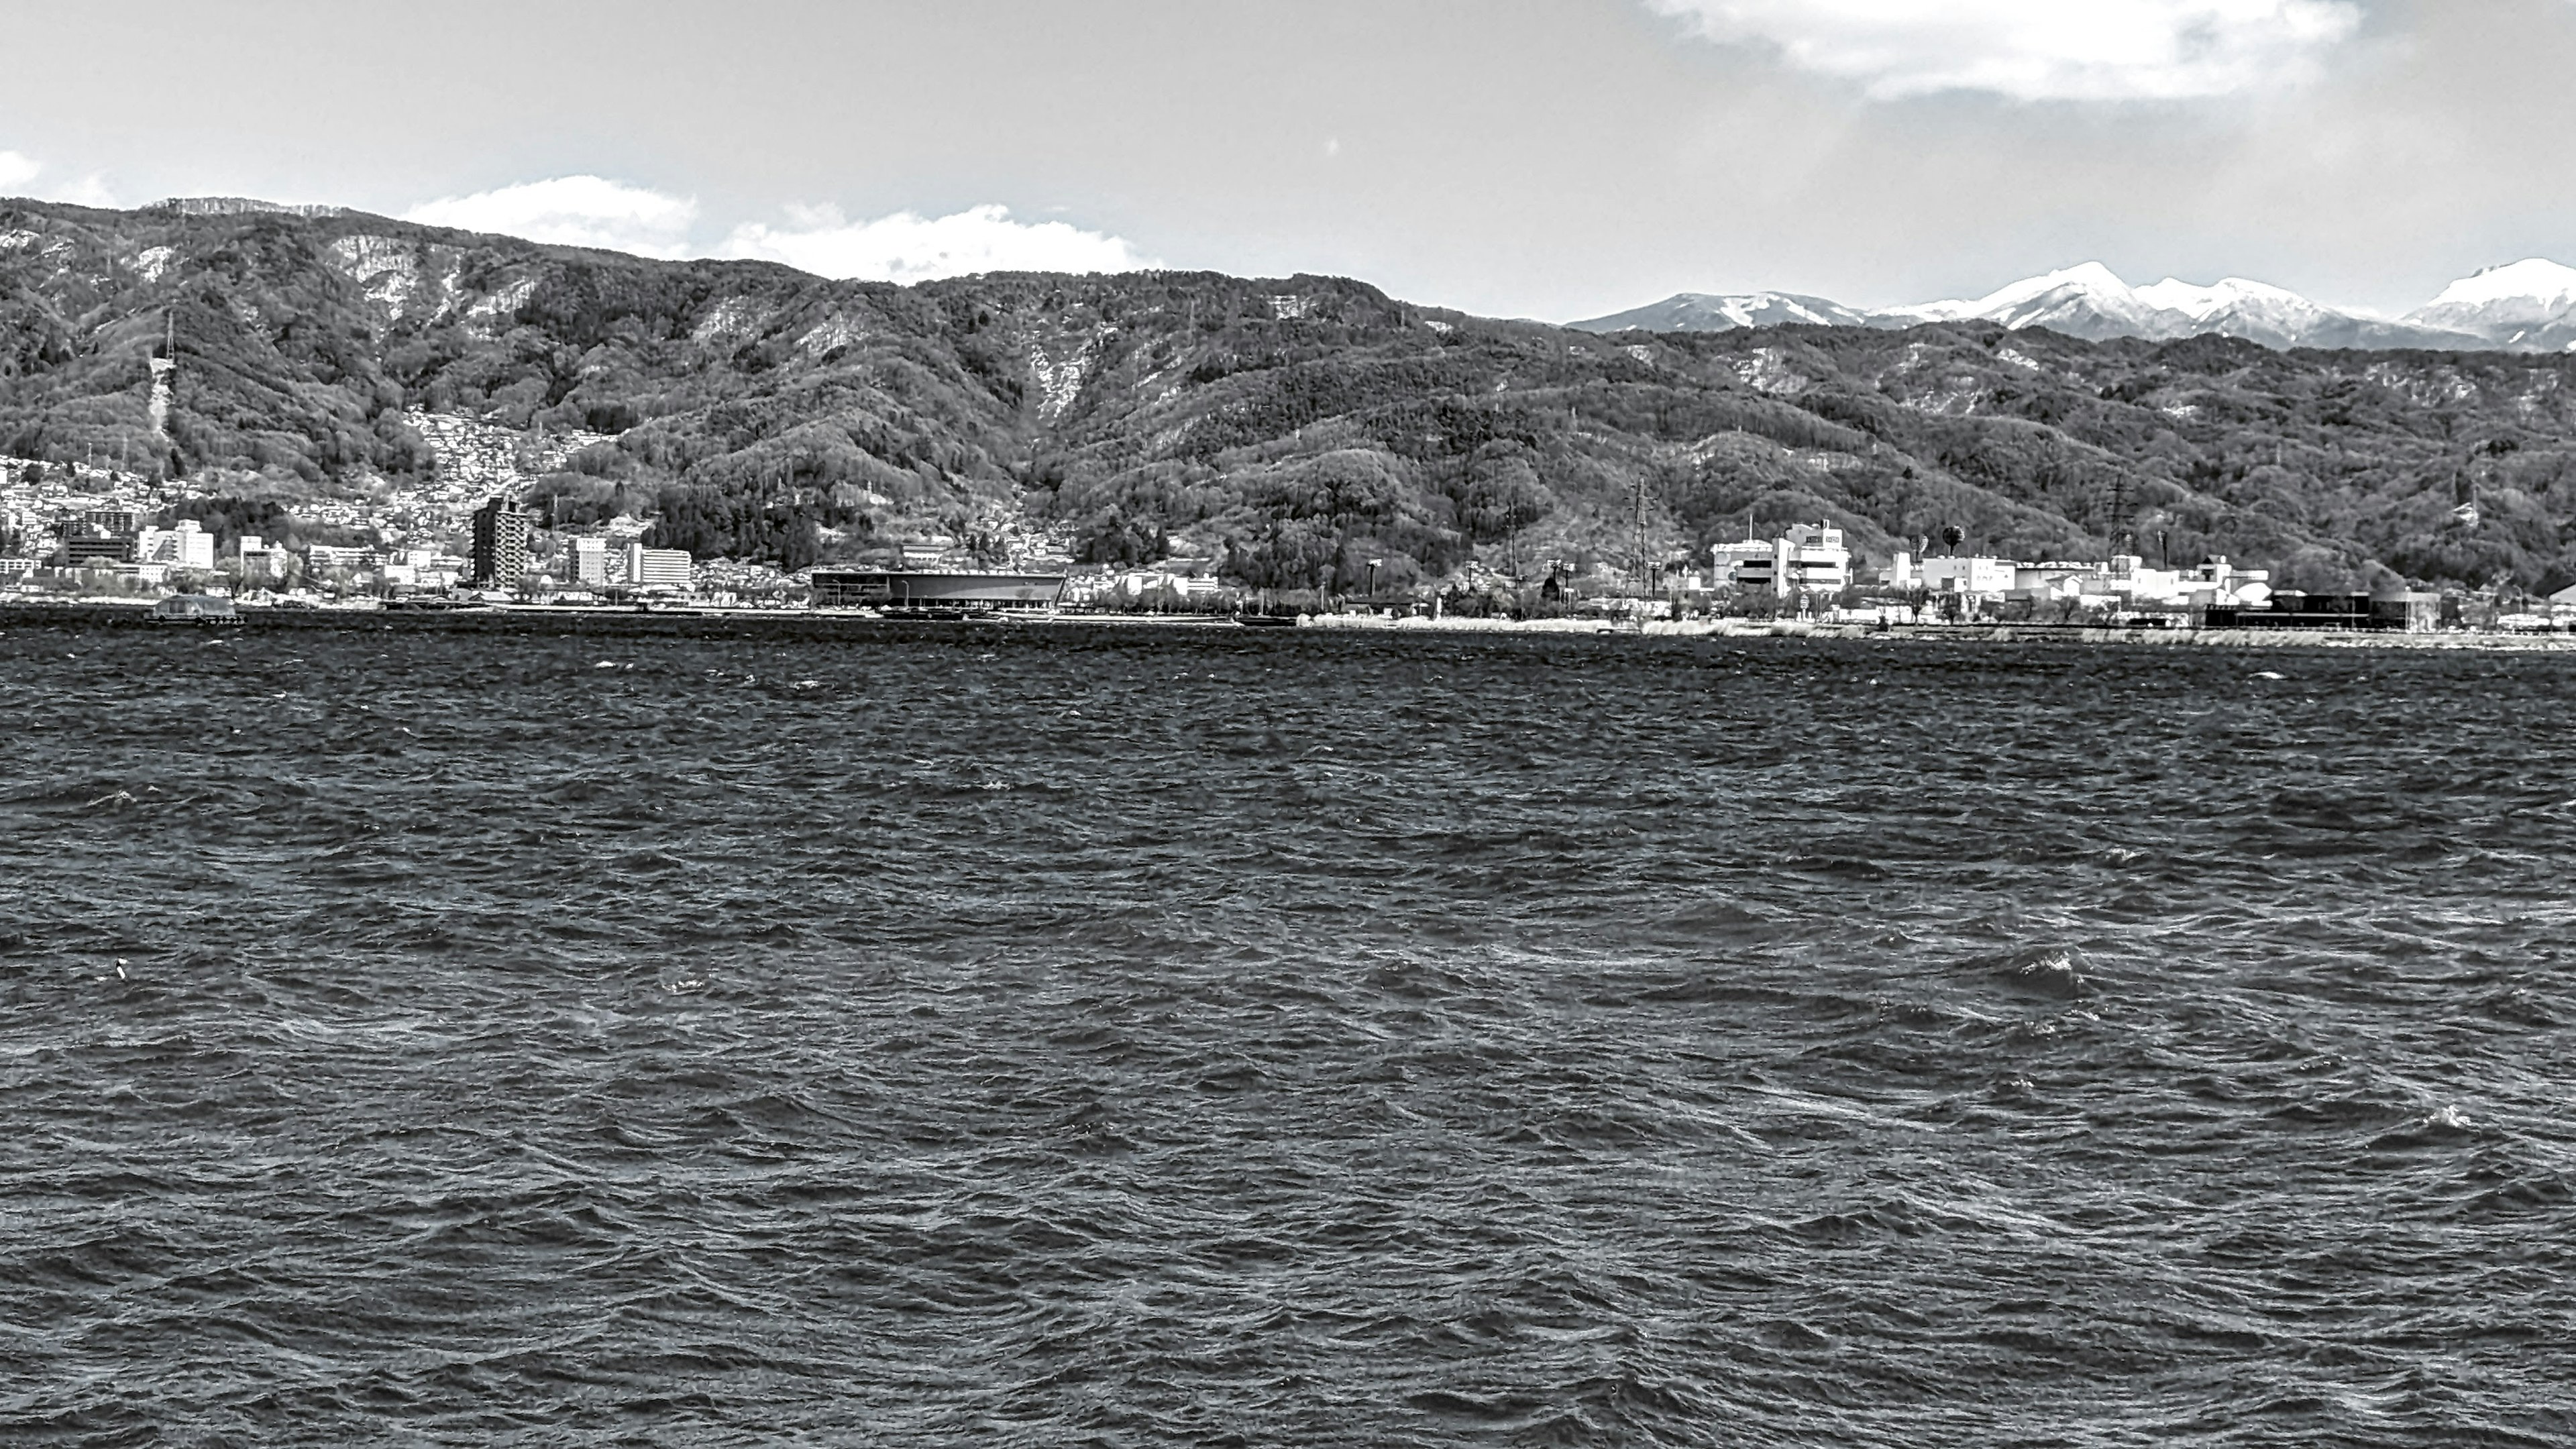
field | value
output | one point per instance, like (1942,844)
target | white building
(2125,582)
(184,547)
(324,557)
(1807,559)
(657,568)
(1953,575)
(586,561)
(261,560)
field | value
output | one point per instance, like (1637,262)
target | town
(100,532)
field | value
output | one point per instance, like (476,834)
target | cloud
(908,247)
(17,170)
(2038,50)
(580,211)
(591,211)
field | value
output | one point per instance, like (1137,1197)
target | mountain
(2515,313)
(2528,305)
(1700,312)
(1286,430)
(2085,301)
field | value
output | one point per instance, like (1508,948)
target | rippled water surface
(690,1033)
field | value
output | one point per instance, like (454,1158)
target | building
(186,546)
(97,536)
(1953,575)
(1809,558)
(88,550)
(261,561)
(905,589)
(500,554)
(656,568)
(2407,613)
(324,558)
(586,561)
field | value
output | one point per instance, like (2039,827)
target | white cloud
(90,190)
(2038,50)
(581,211)
(18,169)
(908,247)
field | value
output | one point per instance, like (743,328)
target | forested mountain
(1288,429)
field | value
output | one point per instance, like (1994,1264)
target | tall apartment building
(500,544)
(586,561)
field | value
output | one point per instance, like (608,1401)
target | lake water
(695,1033)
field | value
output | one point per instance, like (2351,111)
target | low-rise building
(324,558)
(261,561)
(1807,558)
(92,550)
(657,568)
(1950,574)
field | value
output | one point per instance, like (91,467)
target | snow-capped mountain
(1701,312)
(2529,306)
(2086,301)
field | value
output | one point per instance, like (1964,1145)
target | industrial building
(968,592)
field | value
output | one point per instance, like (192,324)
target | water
(708,1034)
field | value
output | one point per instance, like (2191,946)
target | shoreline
(1961,633)
(135,612)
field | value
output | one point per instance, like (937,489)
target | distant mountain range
(1292,432)
(2529,306)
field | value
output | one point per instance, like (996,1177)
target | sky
(1556,159)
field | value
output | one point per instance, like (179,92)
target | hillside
(1290,429)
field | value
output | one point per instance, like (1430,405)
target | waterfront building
(2407,613)
(186,546)
(1807,558)
(500,554)
(906,589)
(656,568)
(586,561)
(1953,575)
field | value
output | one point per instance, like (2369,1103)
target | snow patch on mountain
(2528,306)
(1708,312)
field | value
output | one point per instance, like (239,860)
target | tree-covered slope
(1293,429)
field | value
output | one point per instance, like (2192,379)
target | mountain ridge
(2526,306)
(1284,431)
